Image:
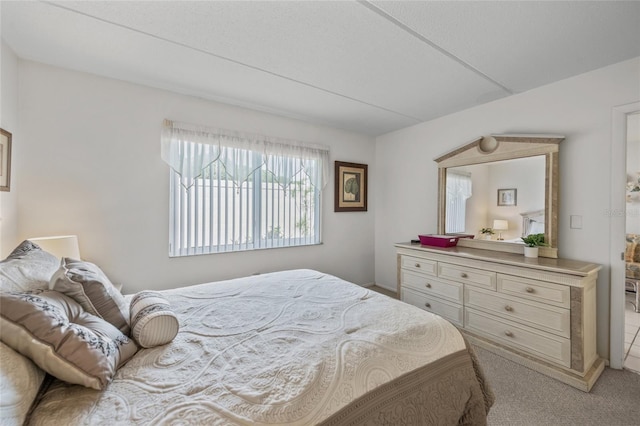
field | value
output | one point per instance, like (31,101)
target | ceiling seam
(177,43)
(384,14)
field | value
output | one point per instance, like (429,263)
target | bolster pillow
(153,323)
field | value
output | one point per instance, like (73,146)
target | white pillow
(28,267)
(20,381)
(153,323)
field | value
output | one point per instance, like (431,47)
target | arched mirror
(508,183)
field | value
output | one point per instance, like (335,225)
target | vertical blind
(458,191)
(231,191)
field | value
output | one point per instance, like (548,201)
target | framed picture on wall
(5,160)
(508,197)
(350,187)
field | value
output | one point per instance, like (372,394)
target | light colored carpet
(525,397)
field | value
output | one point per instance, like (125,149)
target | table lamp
(59,246)
(500,225)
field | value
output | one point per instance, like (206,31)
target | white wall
(91,166)
(9,122)
(579,108)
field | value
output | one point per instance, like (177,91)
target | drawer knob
(427,285)
(529,290)
(508,334)
(463,275)
(508,308)
(417,265)
(428,305)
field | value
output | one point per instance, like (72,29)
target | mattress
(289,348)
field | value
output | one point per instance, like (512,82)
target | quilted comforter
(288,348)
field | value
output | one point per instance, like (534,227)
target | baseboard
(393,290)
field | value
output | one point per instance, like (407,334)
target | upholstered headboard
(532,222)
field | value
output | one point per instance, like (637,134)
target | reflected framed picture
(508,197)
(350,187)
(5,160)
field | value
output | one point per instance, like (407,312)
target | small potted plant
(532,243)
(487,233)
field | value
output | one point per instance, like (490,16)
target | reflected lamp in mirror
(500,225)
(59,246)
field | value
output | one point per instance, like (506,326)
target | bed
(295,347)
(533,222)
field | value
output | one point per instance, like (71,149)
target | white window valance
(189,149)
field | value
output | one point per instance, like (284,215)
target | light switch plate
(575,221)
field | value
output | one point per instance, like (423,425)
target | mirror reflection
(507,197)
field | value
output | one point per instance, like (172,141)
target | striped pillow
(153,323)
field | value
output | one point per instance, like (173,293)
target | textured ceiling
(370,67)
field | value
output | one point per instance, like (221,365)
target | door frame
(617,230)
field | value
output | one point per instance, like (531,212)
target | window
(233,192)
(458,191)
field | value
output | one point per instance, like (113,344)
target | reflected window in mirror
(459,190)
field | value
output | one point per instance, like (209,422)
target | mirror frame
(492,148)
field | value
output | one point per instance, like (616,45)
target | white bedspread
(285,348)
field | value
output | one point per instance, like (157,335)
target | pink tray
(438,240)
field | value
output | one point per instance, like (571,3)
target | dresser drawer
(447,310)
(432,286)
(555,294)
(543,345)
(543,317)
(417,264)
(466,275)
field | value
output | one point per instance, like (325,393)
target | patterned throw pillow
(62,338)
(85,283)
(28,267)
(153,323)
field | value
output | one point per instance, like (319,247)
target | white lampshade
(500,225)
(59,246)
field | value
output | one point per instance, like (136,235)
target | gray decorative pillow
(62,338)
(153,323)
(85,283)
(28,267)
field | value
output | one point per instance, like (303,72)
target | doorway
(632,254)
(618,222)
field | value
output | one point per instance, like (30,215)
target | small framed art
(508,197)
(5,160)
(350,187)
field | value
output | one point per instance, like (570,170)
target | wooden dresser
(538,312)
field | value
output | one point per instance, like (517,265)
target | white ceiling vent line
(384,14)
(225,58)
